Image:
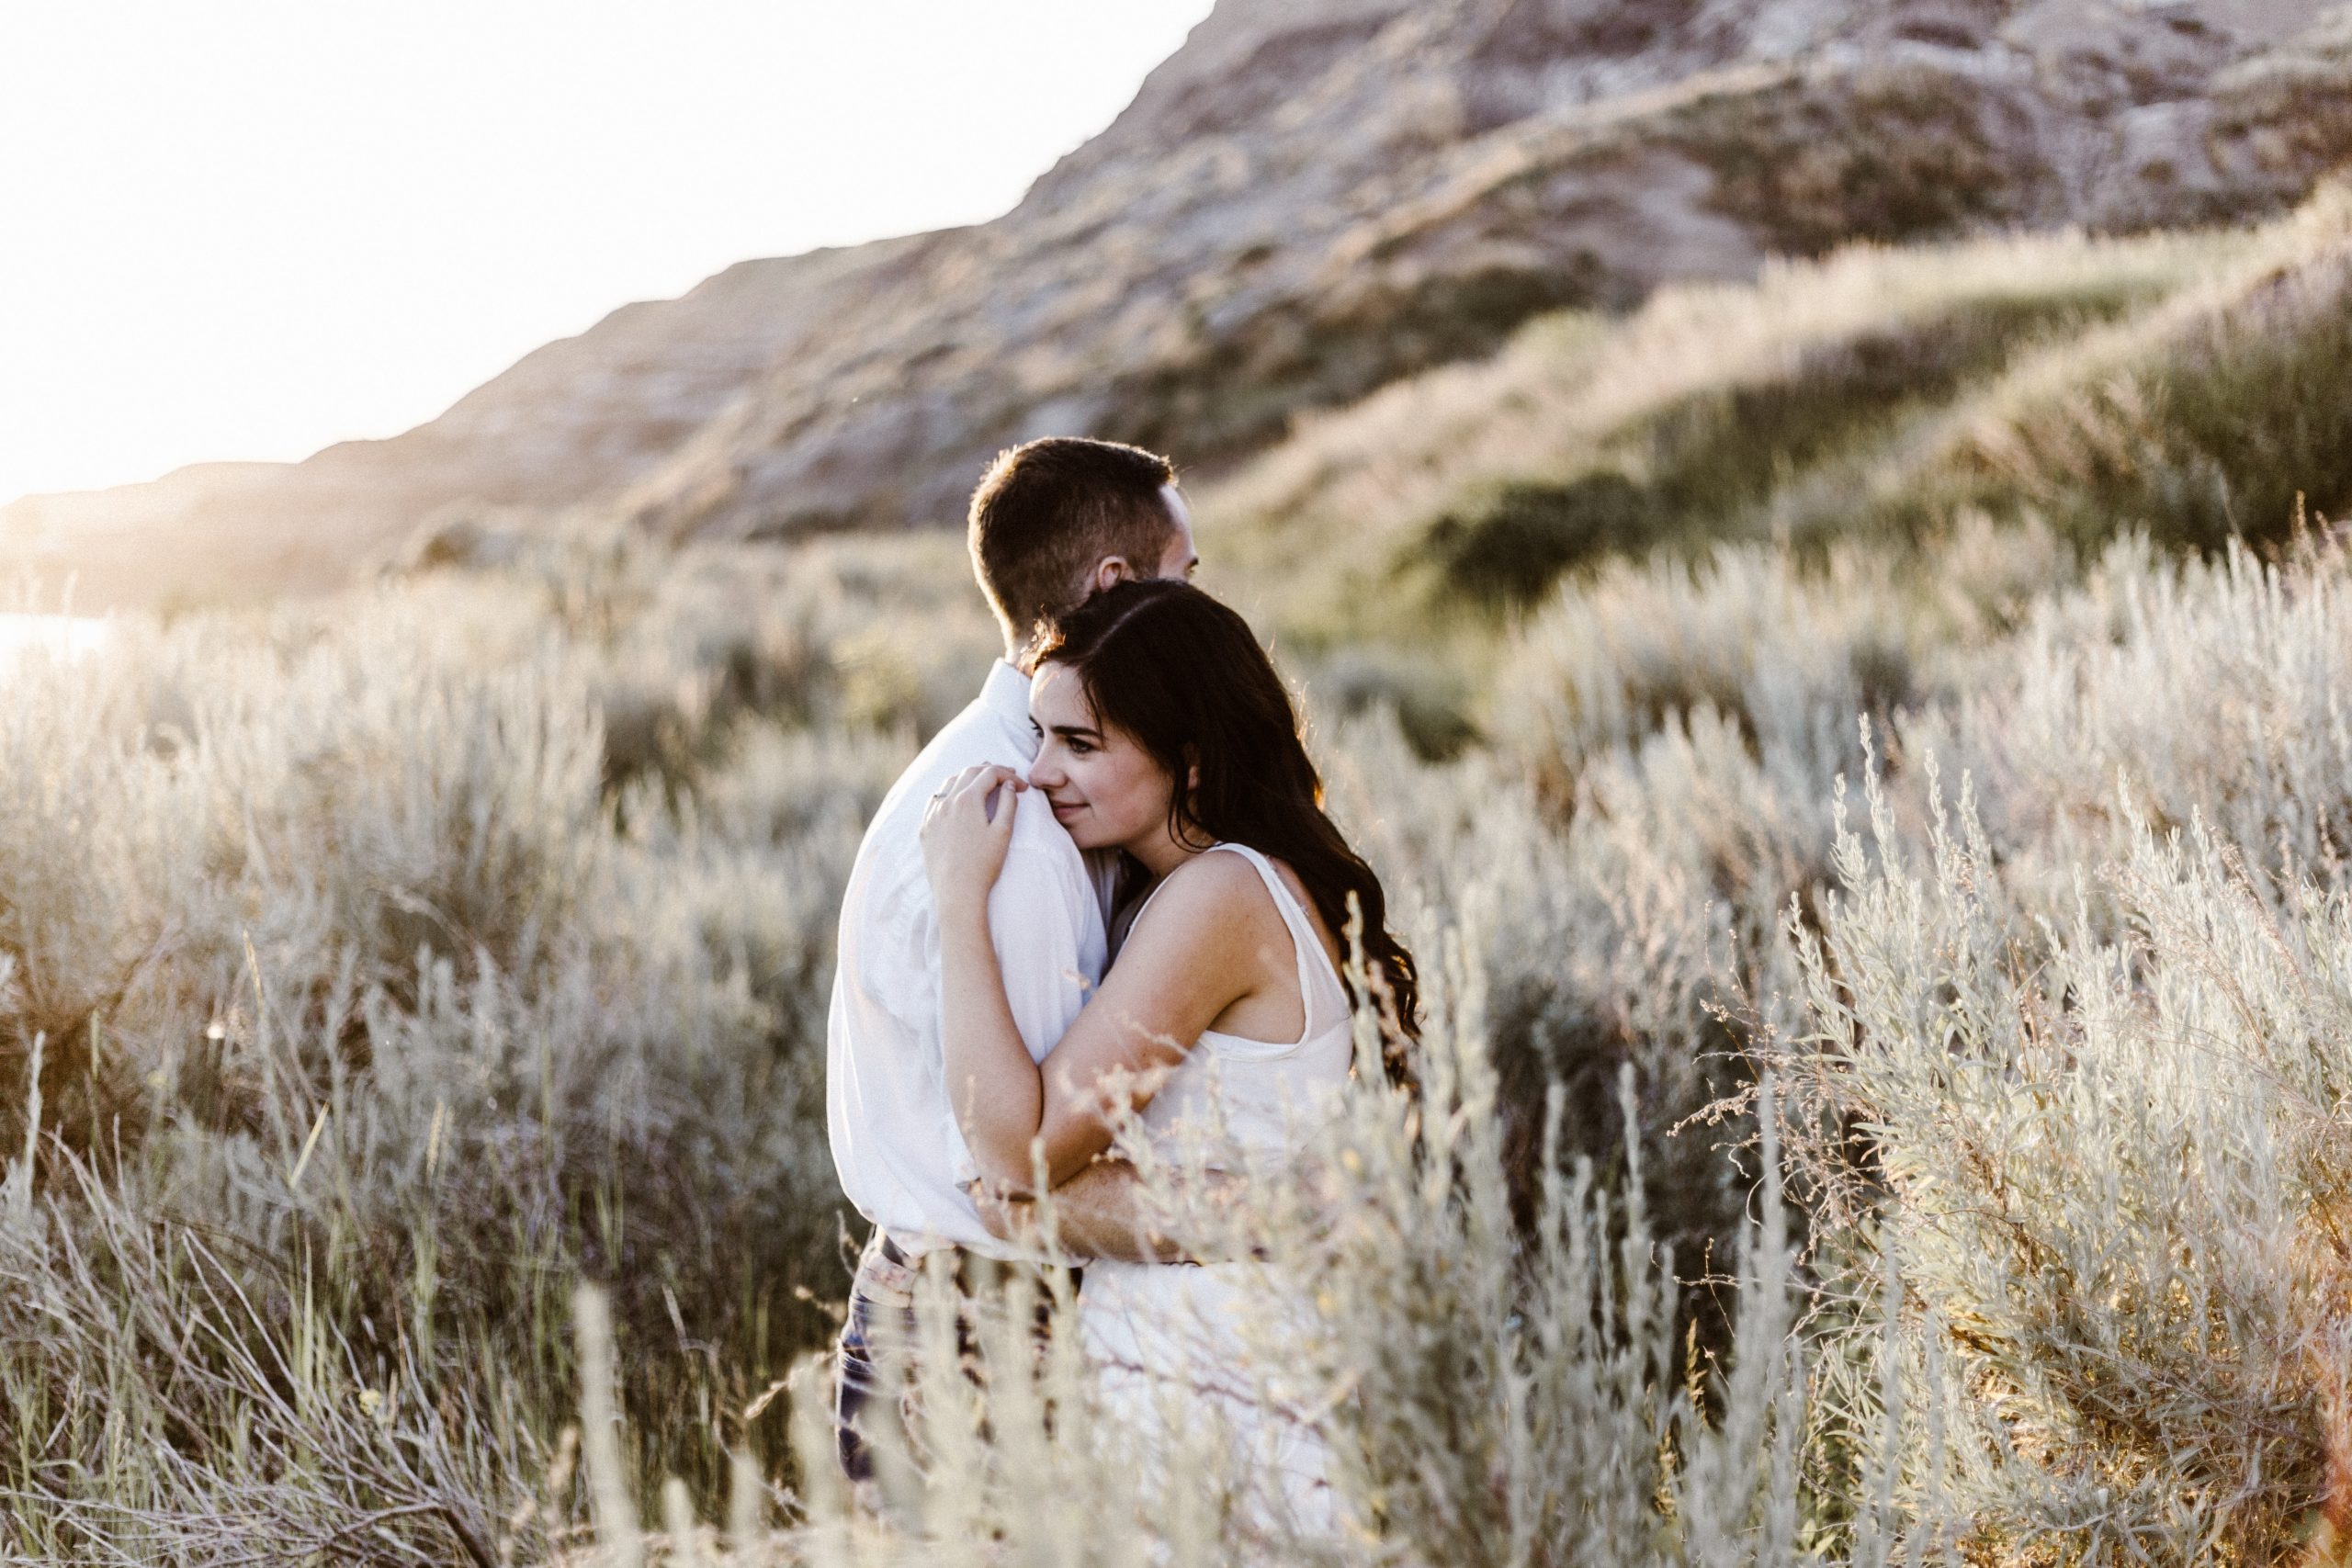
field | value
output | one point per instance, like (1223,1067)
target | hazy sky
(242,229)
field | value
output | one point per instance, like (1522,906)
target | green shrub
(2105,1169)
(1517,542)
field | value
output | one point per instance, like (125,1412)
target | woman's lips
(1064,809)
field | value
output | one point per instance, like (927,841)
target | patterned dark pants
(873,1362)
(875,1367)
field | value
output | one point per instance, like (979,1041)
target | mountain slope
(1311,198)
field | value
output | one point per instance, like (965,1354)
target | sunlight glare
(245,229)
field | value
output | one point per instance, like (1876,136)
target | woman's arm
(1104,1211)
(1202,946)
(1198,949)
(993,1083)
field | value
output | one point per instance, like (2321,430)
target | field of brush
(1867,757)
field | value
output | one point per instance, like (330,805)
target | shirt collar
(1006,696)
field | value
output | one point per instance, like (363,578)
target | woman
(1166,734)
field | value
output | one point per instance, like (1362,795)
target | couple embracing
(1103,904)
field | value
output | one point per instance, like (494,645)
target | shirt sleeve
(1038,914)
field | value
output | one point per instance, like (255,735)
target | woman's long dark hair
(1184,675)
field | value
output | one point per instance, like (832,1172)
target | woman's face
(1104,788)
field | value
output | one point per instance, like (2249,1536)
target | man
(1053,522)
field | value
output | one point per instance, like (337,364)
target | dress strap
(1304,941)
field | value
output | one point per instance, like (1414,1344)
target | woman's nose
(1045,772)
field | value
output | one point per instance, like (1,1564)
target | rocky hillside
(1312,198)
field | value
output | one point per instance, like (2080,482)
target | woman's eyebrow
(1076,732)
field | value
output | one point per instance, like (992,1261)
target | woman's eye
(1078,748)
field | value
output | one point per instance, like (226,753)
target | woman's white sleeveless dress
(1172,1344)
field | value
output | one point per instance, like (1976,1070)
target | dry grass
(376,976)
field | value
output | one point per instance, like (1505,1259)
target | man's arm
(1103,1212)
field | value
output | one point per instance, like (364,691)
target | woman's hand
(966,831)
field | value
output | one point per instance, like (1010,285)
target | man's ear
(1109,572)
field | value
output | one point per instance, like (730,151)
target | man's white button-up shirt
(901,1157)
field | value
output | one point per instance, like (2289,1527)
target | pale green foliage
(2115,1179)
(2093,1028)
(2214,688)
(1746,639)
(372,975)
(360,994)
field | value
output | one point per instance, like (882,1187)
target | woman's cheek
(1103,796)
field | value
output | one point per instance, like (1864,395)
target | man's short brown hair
(1048,511)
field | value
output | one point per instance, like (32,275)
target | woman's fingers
(970,795)
(967,829)
(961,783)
(978,785)
(999,802)
(980,775)
(988,775)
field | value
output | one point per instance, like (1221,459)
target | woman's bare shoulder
(1210,900)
